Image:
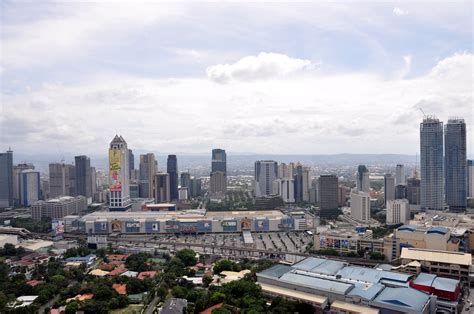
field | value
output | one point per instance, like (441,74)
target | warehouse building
(336,283)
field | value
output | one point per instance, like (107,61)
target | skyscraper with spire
(119,189)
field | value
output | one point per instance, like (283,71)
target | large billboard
(115,164)
(58,227)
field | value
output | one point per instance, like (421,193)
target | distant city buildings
(57,208)
(119,196)
(470,178)
(360,205)
(389,187)
(6,179)
(431,162)
(287,189)
(455,164)
(400,175)
(400,191)
(131,164)
(148,169)
(266,171)
(398,212)
(219,160)
(17,170)
(195,187)
(59,179)
(413,191)
(172,170)
(363,179)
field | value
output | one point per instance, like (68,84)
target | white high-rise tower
(119,175)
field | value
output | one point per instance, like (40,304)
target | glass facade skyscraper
(455,164)
(172,169)
(219,160)
(83,176)
(431,163)
(6,179)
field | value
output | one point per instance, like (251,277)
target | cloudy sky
(322,78)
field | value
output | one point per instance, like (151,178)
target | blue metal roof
(440,230)
(445,284)
(367,292)
(276,271)
(371,275)
(317,283)
(409,228)
(328,267)
(309,263)
(403,298)
(424,279)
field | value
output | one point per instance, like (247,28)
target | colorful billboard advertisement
(58,227)
(115,162)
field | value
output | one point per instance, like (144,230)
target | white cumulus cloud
(399,12)
(263,66)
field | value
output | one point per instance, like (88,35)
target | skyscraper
(431,164)
(218,182)
(131,164)
(413,191)
(470,178)
(400,175)
(328,196)
(16,180)
(6,179)
(83,176)
(363,179)
(162,188)
(266,171)
(29,187)
(172,170)
(400,192)
(58,180)
(455,164)
(389,187)
(219,160)
(195,187)
(185,180)
(287,190)
(119,188)
(147,175)
(298,179)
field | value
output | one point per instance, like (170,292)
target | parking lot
(295,242)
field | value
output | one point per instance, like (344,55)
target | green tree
(72,307)
(217,297)
(187,256)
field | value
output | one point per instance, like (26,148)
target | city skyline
(340,78)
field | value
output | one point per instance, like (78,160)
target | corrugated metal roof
(445,284)
(309,263)
(276,271)
(403,297)
(371,275)
(317,283)
(328,267)
(424,279)
(366,291)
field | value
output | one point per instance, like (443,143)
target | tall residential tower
(119,196)
(455,159)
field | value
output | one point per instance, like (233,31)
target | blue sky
(325,77)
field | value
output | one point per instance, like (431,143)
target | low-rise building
(60,207)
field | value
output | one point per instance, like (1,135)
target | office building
(400,192)
(431,164)
(363,179)
(313,191)
(328,196)
(119,196)
(6,179)
(195,187)
(60,207)
(218,182)
(287,190)
(172,170)
(470,178)
(266,171)
(400,175)
(183,194)
(298,179)
(131,164)
(343,195)
(148,169)
(16,180)
(83,176)
(162,188)
(59,181)
(72,179)
(360,205)
(414,191)
(286,170)
(185,180)
(93,181)
(389,187)
(29,187)
(219,161)
(398,212)
(455,164)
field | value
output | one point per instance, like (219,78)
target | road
(49,304)
(151,306)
